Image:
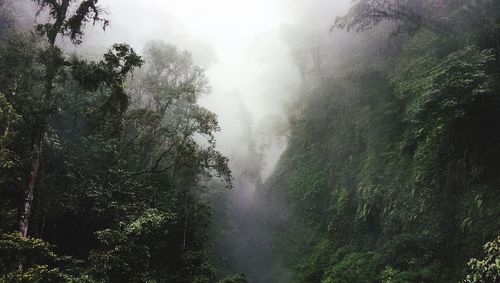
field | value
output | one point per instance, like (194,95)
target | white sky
(228,23)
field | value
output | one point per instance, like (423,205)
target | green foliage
(34,255)
(111,72)
(391,164)
(313,270)
(488,268)
(73,25)
(8,120)
(443,93)
(390,174)
(355,267)
(17,249)
(120,192)
(441,96)
(39,273)
(126,251)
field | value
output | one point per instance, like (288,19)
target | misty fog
(235,141)
(260,56)
(251,51)
(257,54)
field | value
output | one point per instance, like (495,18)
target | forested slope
(391,172)
(108,163)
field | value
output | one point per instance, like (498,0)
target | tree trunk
(185,227)
(51,69)
(30,191)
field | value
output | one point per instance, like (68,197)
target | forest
(386,169)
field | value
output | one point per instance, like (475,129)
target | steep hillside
(391,173)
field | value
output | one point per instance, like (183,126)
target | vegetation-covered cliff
(391,172)
(390,155)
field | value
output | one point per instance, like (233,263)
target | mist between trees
(249,141)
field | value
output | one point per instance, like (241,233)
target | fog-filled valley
(233,141)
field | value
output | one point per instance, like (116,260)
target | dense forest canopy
(110,170)
(103,160)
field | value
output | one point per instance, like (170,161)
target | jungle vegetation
(109,166)
(391,171)
(102,162)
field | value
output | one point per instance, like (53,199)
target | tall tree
(63,22)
